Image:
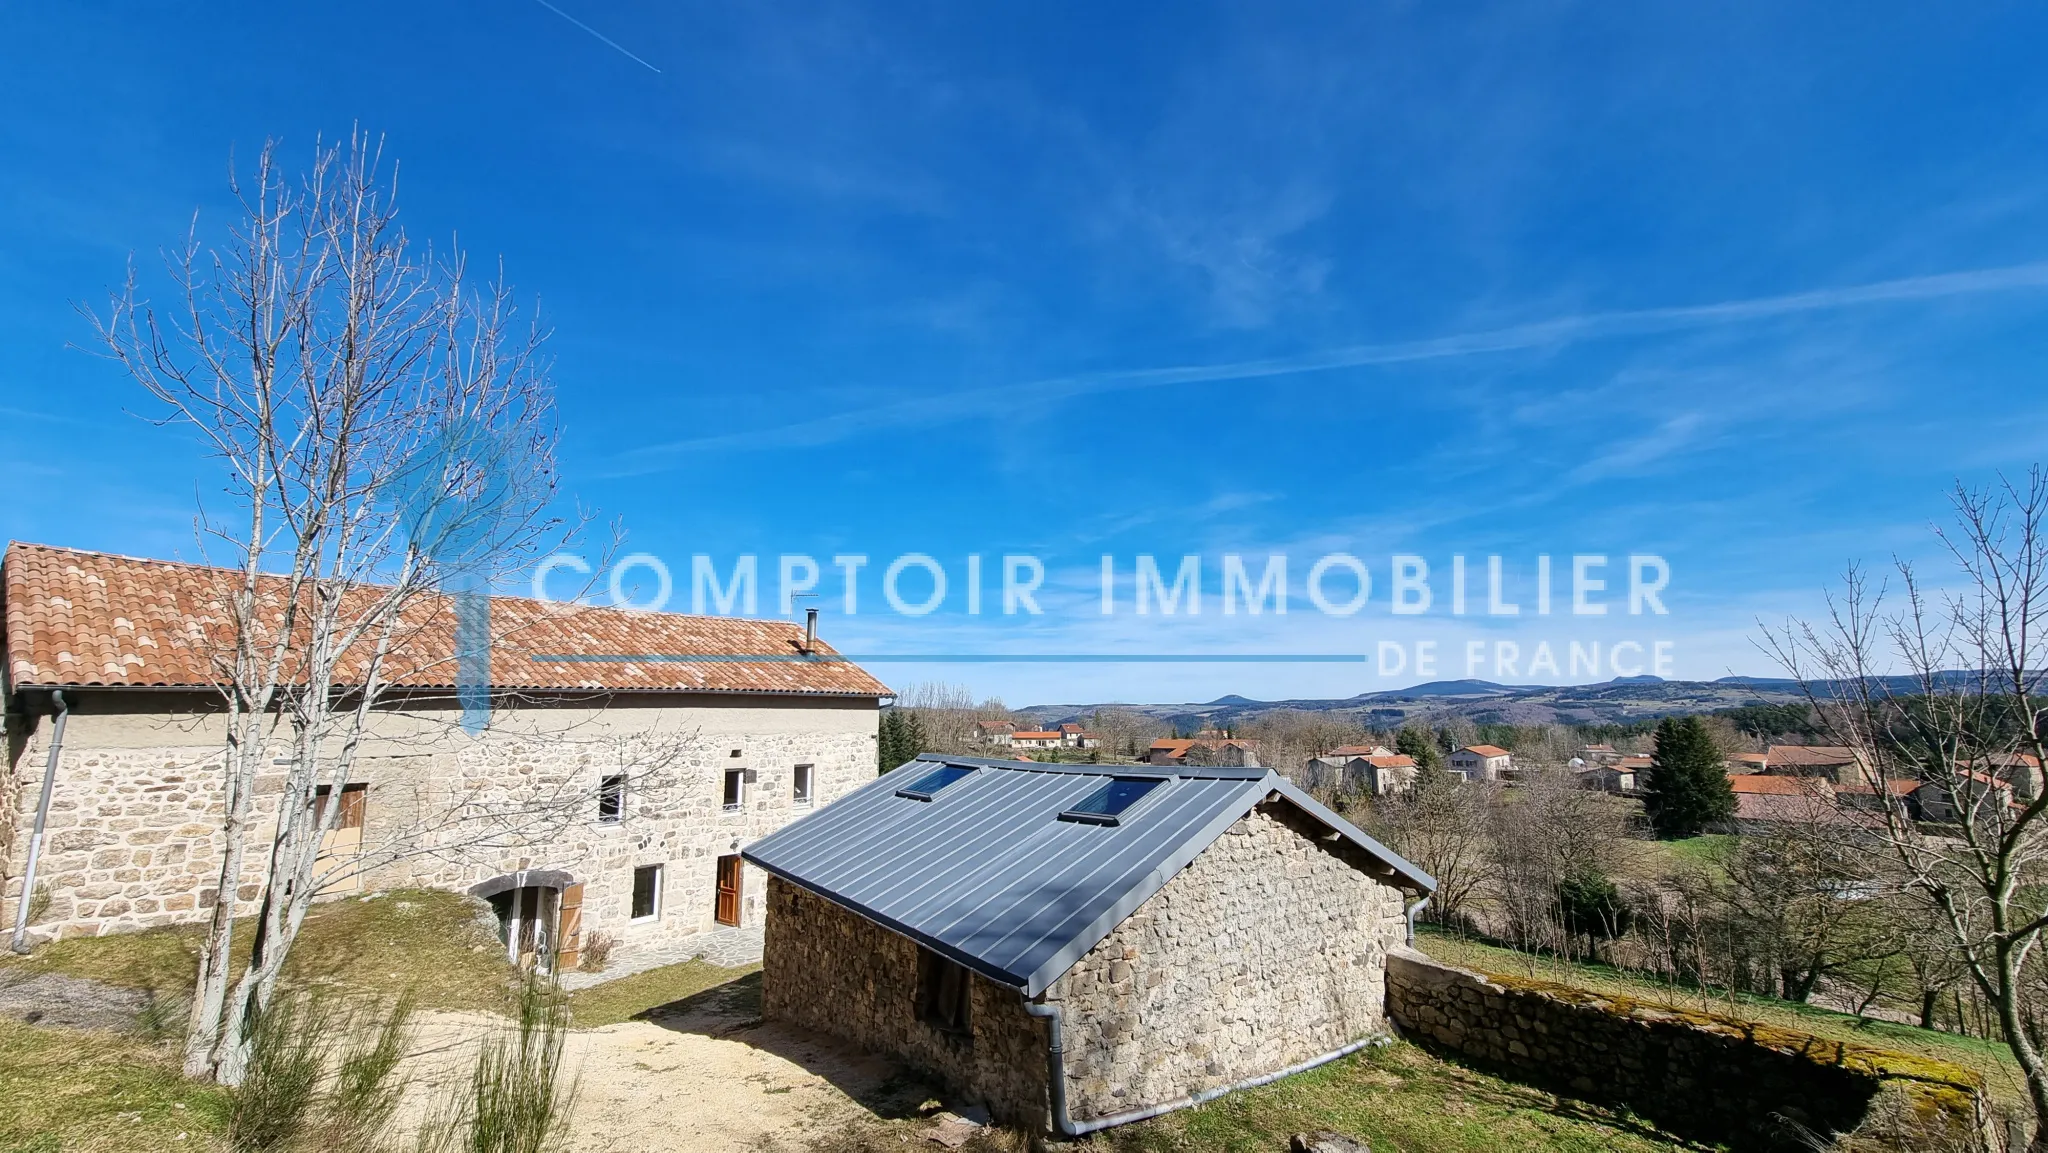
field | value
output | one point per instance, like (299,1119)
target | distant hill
(1619,701)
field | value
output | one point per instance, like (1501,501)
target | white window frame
(660,884)
(808,795)
(739,805)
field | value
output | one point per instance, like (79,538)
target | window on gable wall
(735,797)
(800,785)
(611,799)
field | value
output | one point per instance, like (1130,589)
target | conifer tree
(1687,790)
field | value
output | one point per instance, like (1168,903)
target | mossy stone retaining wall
(1696,1074)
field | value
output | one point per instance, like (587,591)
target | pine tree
(889,743)
(1687,790)
(1416,743)
(900,739)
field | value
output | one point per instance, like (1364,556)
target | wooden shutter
(570,929)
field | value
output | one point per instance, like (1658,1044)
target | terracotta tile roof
(1760,785)
(1898,787)
(1799,808)
(1485,750)
(89,619)
(1632,762)
(1038,735)
(1802,755)
(1361,751)
(1395,761)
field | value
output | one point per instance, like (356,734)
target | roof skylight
(926,786)
(1108,804)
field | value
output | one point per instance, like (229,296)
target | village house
(1035,739)
(1836,763)
(1077,946)
(1481,762)
(1228,752)
(1622,775)
(995,733)
(622,791)
(1748,763)
(1372,769)
(1073,736)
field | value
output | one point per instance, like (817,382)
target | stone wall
(1701,1076)
(1267,951)
(828,969)
(134,839)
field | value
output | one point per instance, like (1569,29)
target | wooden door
(728,912)
(570,953)
(341,846)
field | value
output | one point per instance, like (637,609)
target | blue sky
(1745,286)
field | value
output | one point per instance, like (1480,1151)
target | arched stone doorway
(540,915)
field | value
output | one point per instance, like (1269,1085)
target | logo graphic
(453,496)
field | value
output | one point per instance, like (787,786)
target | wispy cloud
(931,410)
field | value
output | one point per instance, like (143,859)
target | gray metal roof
(988,874)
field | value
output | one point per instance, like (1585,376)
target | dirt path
(705,1076)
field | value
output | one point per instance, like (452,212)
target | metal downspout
(35,842)
(1056,1079)
(1415,910)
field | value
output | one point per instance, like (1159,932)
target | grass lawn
(1400,1099)
(424,940)
(61,1089)
(1990,1058)
(1649,860)
(101,1092)
(628,997)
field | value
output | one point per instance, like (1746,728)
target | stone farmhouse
(1078,946)
(605,795)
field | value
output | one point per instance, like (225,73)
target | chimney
(810,631)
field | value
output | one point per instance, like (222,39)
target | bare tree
(1945,691)
(385,432)
(1541,835)
(1126,734)
(1440,824)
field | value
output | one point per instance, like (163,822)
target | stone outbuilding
(1079,946)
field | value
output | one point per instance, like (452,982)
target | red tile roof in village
(1809,755)
(1485,750)
(1359,751)
(1759,784)
(1039,735)
(88,619)
(1898,787)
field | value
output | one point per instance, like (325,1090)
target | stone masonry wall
(1268,950)
(134,841)
(1701,1076)
(828,969)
